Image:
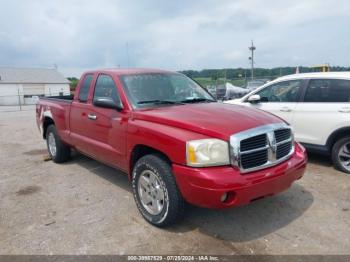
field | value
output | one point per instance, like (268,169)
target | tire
(159,173)
(62,152)
(341,154)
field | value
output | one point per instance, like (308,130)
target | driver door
(280,99)
(106,127)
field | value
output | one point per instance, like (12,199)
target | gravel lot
(84,207)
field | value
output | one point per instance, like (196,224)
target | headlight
(207,152)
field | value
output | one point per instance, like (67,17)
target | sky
(79,35)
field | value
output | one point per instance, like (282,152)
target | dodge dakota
(174,141)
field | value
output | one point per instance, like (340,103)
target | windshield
(154,89)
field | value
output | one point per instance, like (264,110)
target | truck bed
(65,98)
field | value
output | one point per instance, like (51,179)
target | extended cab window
(328,91)
(105,87)
(286,91)
(84,89)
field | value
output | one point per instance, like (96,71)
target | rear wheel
(341,154)
(58,151)
(155,191)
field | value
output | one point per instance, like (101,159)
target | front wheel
(155,191)
(341,154)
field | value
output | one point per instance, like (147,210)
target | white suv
(317,105)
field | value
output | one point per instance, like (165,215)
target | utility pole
(251,58)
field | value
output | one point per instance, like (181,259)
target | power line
(127,53)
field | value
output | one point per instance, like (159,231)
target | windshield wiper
(198,100)
(160,102)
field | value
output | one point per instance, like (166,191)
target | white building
(24,85)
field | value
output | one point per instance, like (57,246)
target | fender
(341,132)
(45,114)
(168,140)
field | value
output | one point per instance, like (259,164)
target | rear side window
(84,89)
(105,87)
(328,91)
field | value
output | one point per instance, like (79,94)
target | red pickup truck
(174,141)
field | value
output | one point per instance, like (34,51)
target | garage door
(35,89)
(31,92)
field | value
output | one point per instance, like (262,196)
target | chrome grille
(283,149)
(253,142)
(282,134)
(261,147)
(251,160)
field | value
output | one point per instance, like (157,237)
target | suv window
(286,91)
(84,90)
(328,91)
(105,87)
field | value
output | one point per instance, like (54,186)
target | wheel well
(142,150)
(47,121)
(336,135)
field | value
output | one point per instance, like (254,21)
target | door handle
(344,110)
(92,117)
(285,109)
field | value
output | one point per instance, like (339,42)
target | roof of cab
(344,74)
(128,71)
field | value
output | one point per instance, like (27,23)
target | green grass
(205,81)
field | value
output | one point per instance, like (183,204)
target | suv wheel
(341,154)
(58,151)
(155,191)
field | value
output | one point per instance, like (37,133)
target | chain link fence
(23,102)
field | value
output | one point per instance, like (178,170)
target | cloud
(78,35)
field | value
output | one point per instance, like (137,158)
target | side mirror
(254,99)
(108,102)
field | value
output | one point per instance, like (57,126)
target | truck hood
(211,119)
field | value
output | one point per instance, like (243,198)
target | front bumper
(205,186)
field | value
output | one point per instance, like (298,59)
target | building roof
(31,76)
